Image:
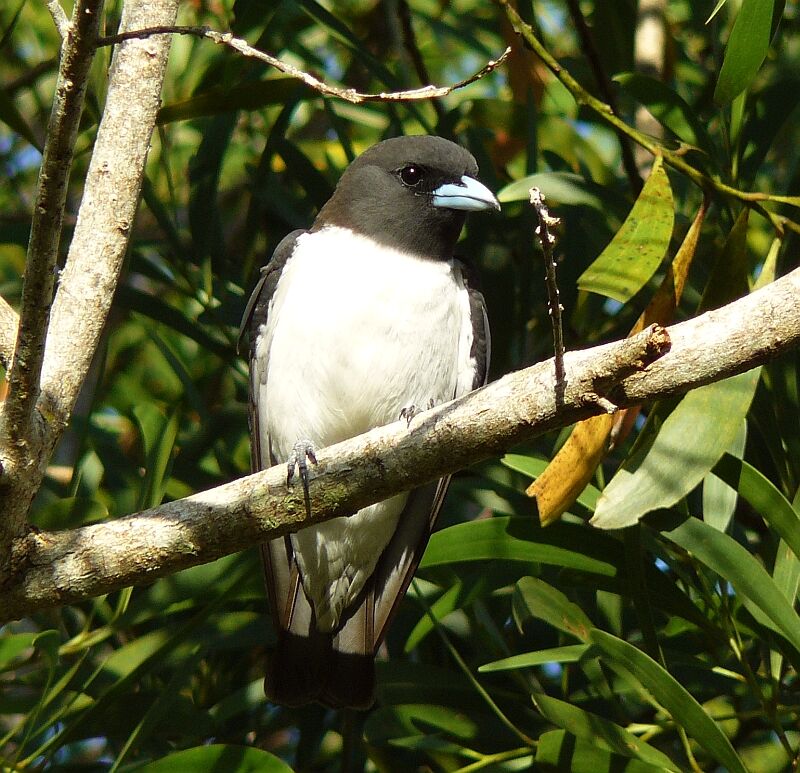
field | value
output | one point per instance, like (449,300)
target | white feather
(356,332)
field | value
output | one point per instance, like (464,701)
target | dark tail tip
(305,669)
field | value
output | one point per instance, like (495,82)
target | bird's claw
(410,411)
(303,450)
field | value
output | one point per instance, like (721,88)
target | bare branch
(350,95)
(61,567)
(59,18)
(19,436)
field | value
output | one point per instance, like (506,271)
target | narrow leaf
(661,473)
(535,598)
(685,710)
(723,555)
(636,251)
(746,50)
(601,731)
(219,757)
(569,653)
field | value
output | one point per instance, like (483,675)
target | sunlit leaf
(746,50)
(637,249)
(660,473)
(569,653)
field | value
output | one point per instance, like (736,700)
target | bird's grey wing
(402,555)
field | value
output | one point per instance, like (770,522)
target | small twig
(59,18)
(548,240)
(350,95)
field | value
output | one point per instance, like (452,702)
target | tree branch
(350,95)
(19,434)
(61,567)
(59,18)
(88,281)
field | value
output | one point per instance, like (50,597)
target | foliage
(673,644)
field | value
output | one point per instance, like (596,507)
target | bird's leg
(410,411)
(303,450)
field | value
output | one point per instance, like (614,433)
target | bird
(363,319)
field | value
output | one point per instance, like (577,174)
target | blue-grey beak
(469,194)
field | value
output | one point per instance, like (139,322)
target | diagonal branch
(350,95)
(62,567)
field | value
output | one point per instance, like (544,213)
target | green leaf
(637,249)
(602,732)
(158,435)
(535,598)
(685,710)
(719,498)
(457,596)
(569,653)
(658,474)
(12,646)
(518,539)
(217,757)
(723,555)
(559,751)
(559,187)
(668,107)
(763,496)
(746,50)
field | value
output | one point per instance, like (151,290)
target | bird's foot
(302,453)
(410,411)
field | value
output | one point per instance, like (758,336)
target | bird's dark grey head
(409,193)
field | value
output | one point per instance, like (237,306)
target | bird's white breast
(356,332)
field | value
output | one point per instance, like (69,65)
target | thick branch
(62,567)
(19,435)
(350,95)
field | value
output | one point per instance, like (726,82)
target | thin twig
(546,220)
(350,95)
(59,18)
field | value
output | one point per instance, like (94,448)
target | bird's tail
(336,670)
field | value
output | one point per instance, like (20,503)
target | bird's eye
(411,175)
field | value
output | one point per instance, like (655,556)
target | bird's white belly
(354,335)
